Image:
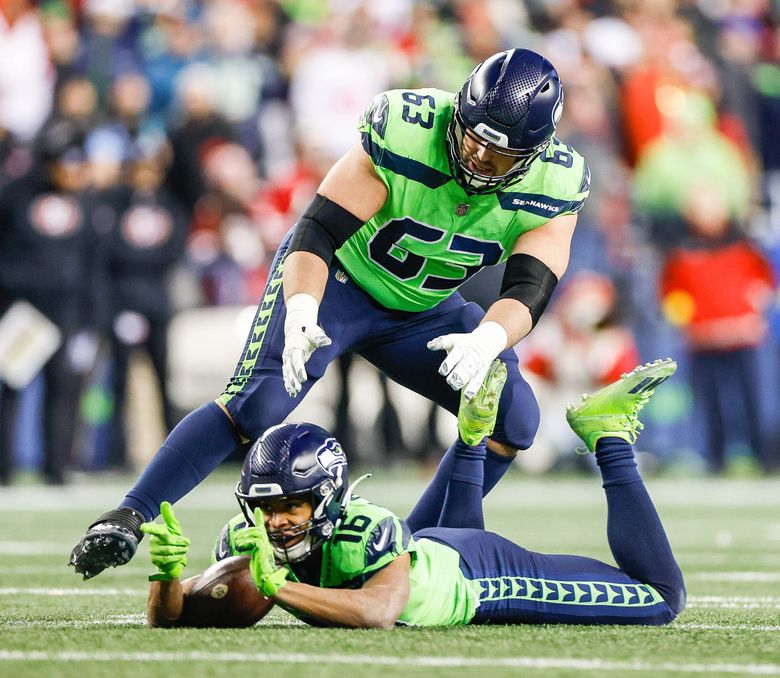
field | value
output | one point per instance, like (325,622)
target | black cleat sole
(103,546)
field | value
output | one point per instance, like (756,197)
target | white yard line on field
(116,620)
(59,592)
(598,665)
(770,600)
(735,602)
(726,627)
(712,558)
(140,620)
(55,570)
(33,548)
(734,576)
(110,620)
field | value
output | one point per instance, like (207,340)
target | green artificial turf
(725,533)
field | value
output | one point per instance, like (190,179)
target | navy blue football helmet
(297,460)
(511,104)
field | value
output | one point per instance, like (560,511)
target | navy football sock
(496,465)
(463,499)
(428,508)
(195,447)
(634,530)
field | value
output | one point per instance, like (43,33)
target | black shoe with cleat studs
(110,541)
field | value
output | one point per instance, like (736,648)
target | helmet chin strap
(475,182)
(294,553)
(470,179)
(348,495)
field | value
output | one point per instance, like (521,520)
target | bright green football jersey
(431,236)
(371,537)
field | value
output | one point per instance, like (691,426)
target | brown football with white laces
(225,596)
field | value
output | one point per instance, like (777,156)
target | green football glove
(168,546)
(268,577)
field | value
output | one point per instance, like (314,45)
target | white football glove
(469,355)
(302,336)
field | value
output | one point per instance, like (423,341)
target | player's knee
(251,425)
(521,423)
(676,597)
(251,428)
(673,592)
(218,402)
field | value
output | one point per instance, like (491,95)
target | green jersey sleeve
(430,236)
(399,131)
(369,538)
(563,173)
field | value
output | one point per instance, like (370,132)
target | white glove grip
(491,337)
(302,312)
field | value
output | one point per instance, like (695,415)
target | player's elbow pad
(529,281)
(323,228)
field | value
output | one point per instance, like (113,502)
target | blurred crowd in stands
(142,140)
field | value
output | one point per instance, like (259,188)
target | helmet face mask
(476,182)
(296,461)
(510,105)
(294,542)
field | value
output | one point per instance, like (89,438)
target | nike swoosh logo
(381,543)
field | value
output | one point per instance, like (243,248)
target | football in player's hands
(225,596)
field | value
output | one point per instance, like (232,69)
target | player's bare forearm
(513,316)
(165,603)
(377,605)
(550,244)
(304,272)
(337,607)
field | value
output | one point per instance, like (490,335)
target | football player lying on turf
(332,558)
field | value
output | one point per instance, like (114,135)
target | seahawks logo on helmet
(557,109)
(331,456)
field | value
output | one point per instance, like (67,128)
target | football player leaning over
(437,186)
(305,542)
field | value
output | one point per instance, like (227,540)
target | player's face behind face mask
(288,521)
(482,159)
(484,166)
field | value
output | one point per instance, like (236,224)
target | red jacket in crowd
(718,294)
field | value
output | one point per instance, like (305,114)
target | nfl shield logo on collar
(461,209)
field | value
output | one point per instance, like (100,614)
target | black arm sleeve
(323,228)
(529,281)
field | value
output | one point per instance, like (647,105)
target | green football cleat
(613,411)
(477,417)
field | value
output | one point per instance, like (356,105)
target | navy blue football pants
(518,586)
(394,341)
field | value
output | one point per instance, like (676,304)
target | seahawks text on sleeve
(430,236)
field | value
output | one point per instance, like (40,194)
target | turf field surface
(726,534)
